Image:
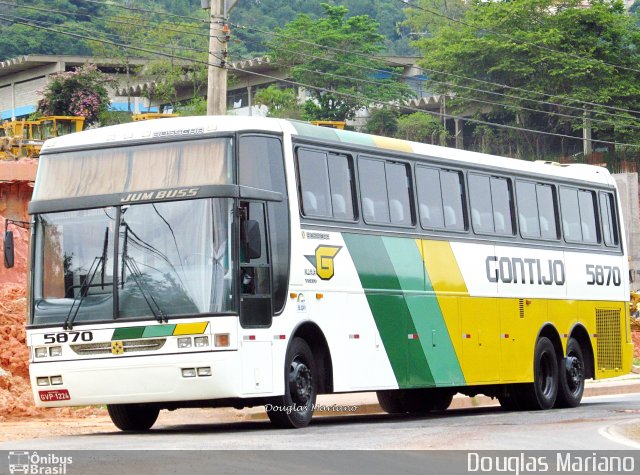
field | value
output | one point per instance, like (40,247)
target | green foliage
(196,106)
(114,117)
(512,43)
(82,92)
(422,127)
(349,75)
(382,121)
(281,103)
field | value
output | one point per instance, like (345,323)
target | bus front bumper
(144,379)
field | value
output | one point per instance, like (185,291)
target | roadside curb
(459,402)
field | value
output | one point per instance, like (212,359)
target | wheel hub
(300,383)
(573,367)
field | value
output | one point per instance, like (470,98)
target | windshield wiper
(85,286)
(137,275)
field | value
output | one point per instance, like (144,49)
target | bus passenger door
(255,269)
(256,308)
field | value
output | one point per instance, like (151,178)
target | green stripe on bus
(128,333)
(408,267)
(388,304)
(158,330)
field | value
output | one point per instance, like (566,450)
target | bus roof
(183,127)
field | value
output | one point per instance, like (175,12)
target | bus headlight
(41,352)
(56,380)
(184,342)
(188,372)
(43,381)
(201,341)
(55,351)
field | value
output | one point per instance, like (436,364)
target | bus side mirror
(252,239)
(8,249)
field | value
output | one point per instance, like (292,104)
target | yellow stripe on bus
(190,328)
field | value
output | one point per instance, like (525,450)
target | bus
(239,262)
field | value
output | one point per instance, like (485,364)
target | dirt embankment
(635,335)
(16,399)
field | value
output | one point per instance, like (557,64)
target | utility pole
(217,78)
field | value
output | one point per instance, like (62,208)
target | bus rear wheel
(294,409)
(571,378)
(133,417)
(414,401)
(542,393)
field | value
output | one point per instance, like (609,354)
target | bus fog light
(43,381)
(206,371)
(201,341)
(184,342)
(55,351)
(56,380)
(41,352)
(188,372)
(221,339)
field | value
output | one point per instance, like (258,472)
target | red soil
(16,399)
(635,336)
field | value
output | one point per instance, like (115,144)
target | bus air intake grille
(609,342)
(128,346)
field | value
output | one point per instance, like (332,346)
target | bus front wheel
(294,409)
(133,417)
(571,376)
(542,393)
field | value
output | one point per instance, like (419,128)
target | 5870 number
(603,275)
(69,337)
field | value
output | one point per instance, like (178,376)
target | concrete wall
(628,189)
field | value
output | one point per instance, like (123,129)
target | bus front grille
(119,346)
(608,337)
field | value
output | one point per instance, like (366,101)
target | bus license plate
(54,395)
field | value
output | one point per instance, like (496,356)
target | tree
(382,121)
(567,53)
(342,80)
(82,92)
(422,127)
(281,103)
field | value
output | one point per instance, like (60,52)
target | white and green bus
(227,261)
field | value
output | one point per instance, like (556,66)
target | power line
(111,20)
(483,101)
(144,10)
(25,22)
(428,70)
(321,89)
(367,56)
(512,38)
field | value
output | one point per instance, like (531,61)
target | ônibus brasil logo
(34,463)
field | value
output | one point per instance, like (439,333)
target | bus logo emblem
(117,348)
(323,261)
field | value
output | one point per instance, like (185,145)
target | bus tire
(421,401)
(571,378)
(542,393)
(133,417)
(294,409)
(390,401)
(509,400)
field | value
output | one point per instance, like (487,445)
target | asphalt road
(594,425)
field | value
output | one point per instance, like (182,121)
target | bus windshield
(173,259)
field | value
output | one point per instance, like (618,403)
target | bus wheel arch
(543,391)
(575,367)
(311,333)
(580,334)
(306,365)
